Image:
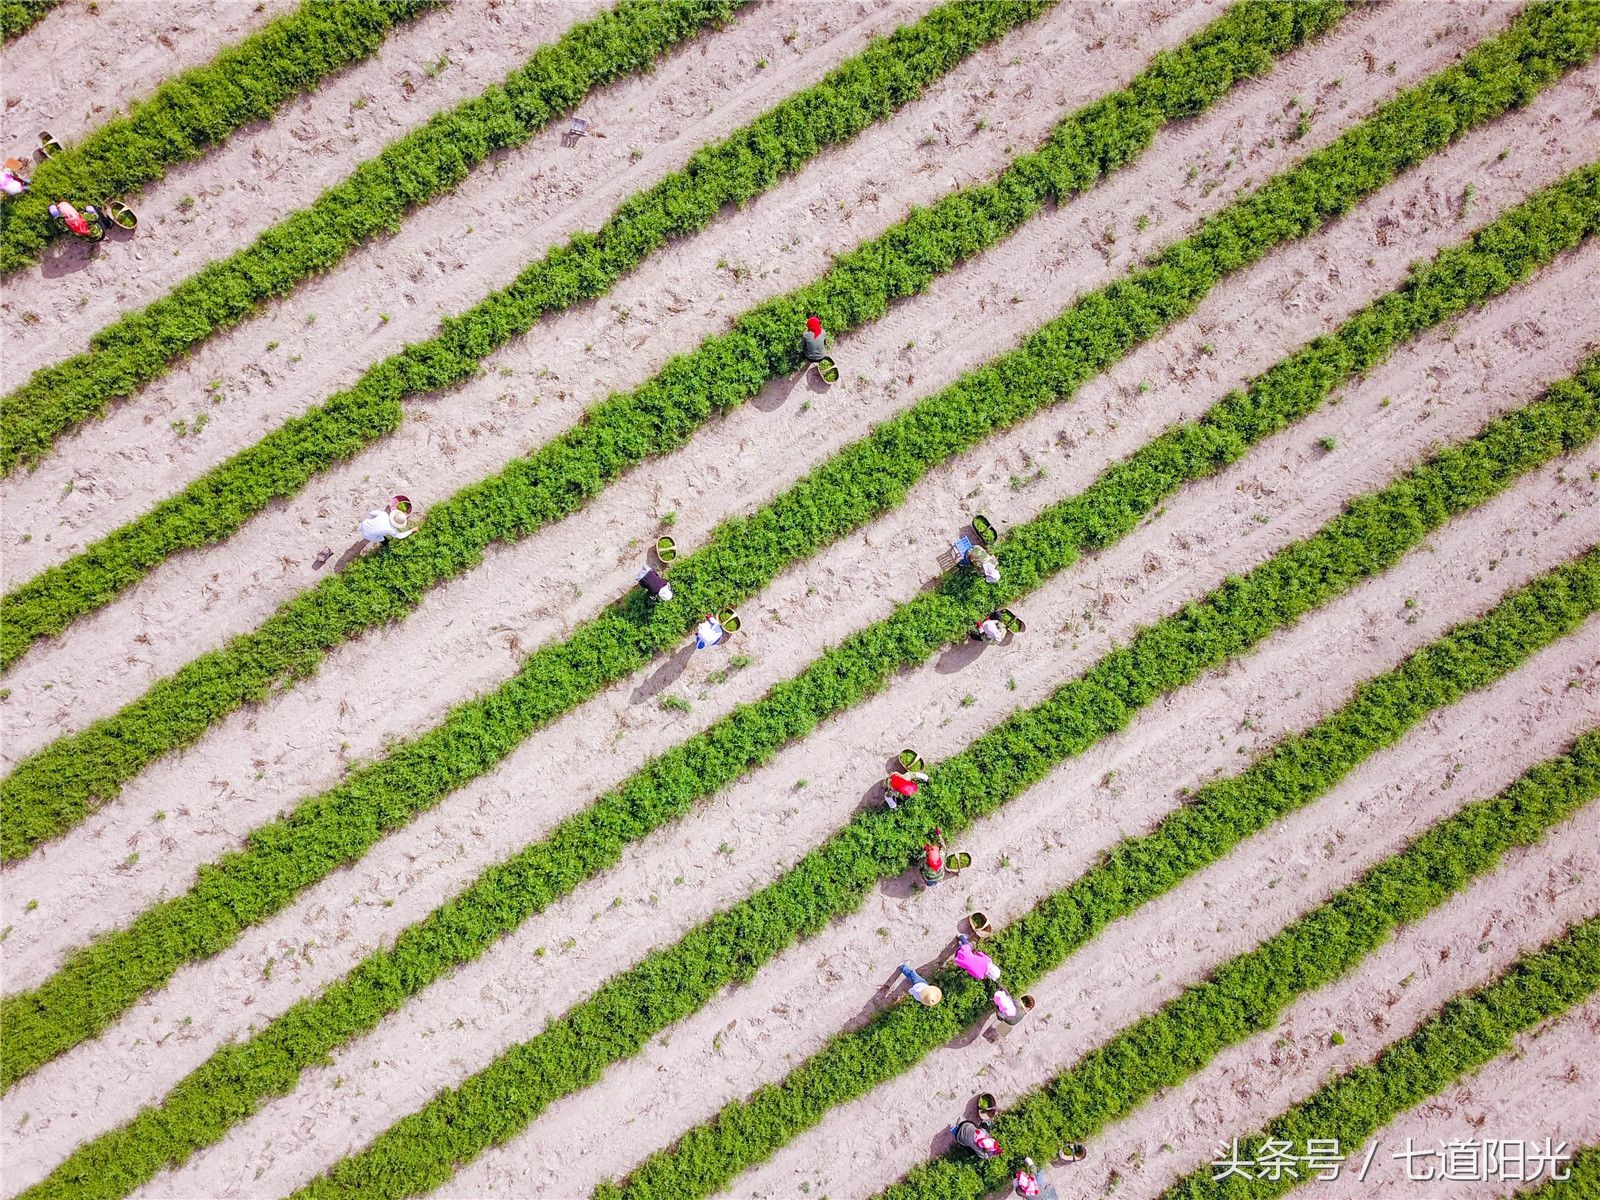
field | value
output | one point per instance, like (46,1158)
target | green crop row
(189,114)
(423,165)
(58,786)
(108,977)
(723,372)
(421,1151)
(19,16)
(1246,995)
(1220,816)
(1463,1036)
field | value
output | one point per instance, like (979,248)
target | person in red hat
(814,341)
(902,786)
(931,867)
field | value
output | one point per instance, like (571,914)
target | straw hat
(398,517)
(930,996)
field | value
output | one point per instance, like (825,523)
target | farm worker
(931,863)
(814,341)
(1025,1182)
(902,785)
(12,180)
(975,962)
(989,629)
(78,223)
(385,524)
(984,562)
(1008,1009)
(971,1136)
(708,633)
(923,992)
(654,582)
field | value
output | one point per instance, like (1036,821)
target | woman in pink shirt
(975,962)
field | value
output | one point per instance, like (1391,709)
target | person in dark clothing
(970,1135)
(814,341)
(654,582)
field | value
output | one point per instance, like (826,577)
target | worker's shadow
(902,886)
(68,258)
(959,657)
(663,676)
(784,388)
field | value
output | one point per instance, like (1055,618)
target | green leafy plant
(59,785)
(198,109)
(425,164)
(1246,994)
(1211,823)
(19,16)
(1464,1035)
(725,371)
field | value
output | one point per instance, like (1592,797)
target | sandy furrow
(482,236)
(82,888)
(1459,948)
(755,1034)
(77,69)
(206,209)
(441,262)
(1546,1088)
(761,826)
(537,588)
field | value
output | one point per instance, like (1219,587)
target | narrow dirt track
(532,590)
(332,328)
(1547,1087)
(1461,947)
(766,823)
(207,209)
(77,69)
(81,889)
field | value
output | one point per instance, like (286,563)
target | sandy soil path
(1461,947)
(765,823)
(76,69)
(539,586)
(1547,1087)
(207,209)
(432,269)
(81,887)
(333,328)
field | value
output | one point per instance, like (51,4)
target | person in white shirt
(392,523)
(708,633)
(385,524)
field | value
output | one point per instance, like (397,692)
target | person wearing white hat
(385,524)
(923,992)
(654,582)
